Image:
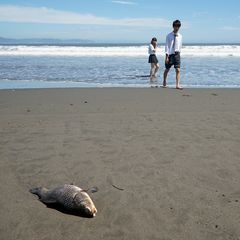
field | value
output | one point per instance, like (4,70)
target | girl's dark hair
(177,23)
(153,40)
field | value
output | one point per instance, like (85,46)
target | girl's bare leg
(152,71)
(156,70)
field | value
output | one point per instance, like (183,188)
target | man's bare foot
(164,86)
(179,88)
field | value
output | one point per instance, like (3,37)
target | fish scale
(65,195)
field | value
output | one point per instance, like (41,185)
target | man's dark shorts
(174,59)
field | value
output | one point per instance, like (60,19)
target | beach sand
(175,154)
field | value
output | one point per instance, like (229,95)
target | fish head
(86,206)
(90,212)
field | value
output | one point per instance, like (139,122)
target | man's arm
(181,43)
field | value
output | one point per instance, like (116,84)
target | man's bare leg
(165,77)
(178,75)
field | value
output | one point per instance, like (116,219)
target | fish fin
(48,201)
(91,190)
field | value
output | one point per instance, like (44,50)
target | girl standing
(153,59)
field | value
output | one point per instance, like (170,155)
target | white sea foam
(111,51)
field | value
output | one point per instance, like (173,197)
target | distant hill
(43,41)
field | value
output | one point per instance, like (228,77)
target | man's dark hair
(177,23)
(154,39)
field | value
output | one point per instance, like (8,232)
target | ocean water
(108,65)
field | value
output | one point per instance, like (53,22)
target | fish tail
(36,191)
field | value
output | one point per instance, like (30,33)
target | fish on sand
(67,198)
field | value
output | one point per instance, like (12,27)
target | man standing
(173,49)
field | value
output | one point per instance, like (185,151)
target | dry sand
(176,154)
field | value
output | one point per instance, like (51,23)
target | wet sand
(174,154)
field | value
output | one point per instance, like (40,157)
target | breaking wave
(118,51)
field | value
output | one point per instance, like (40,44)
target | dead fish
(68,198)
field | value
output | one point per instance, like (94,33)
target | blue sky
(121,21)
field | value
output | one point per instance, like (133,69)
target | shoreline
(41,86)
